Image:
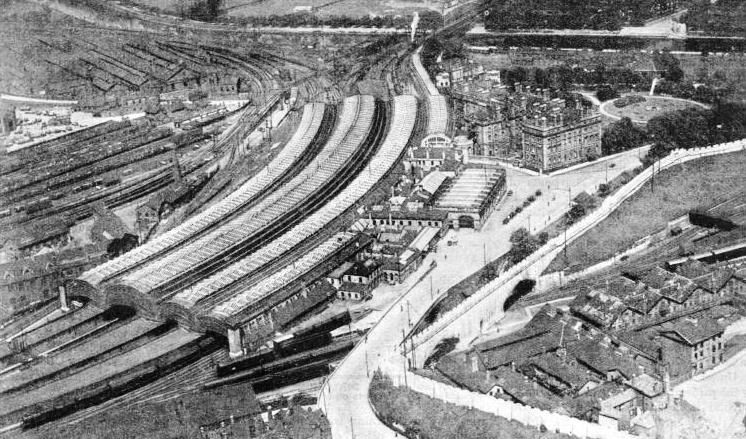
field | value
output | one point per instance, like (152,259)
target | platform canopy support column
(63,299)
(235,345)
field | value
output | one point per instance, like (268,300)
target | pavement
(720,396)
(344,398)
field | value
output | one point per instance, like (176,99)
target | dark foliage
(669,64)
(523,287)
(120,246)
(696,127)
(724,17)
(572,14)
(444,347)
(606,92)
(206,10)
(523,244)
(621,136)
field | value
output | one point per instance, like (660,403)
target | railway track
(284,223)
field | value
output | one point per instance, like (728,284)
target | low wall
(469,317)
(528,416)
(558,278)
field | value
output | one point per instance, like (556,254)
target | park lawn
(696,184)
(652,106)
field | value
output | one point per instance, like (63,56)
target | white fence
(528,416)
(467,319)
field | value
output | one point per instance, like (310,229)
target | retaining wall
(467,320)
(528,416)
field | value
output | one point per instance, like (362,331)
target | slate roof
(570,374)
(350,287)
(647,385)
(363,269)
(591,400)
(541,335)
(593,355)
(459,372)
(433,181)
(691,332)
(715,280)
(670,285)
(643,341)
(598,307)
(526,391)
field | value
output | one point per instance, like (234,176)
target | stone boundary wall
(528,416)
(467,319)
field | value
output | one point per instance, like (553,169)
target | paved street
(345,398)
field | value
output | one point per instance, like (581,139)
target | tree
(606,93)
(541,78)
(523,245)
(669,64)
(515,74)
(687,128)
(576,212)
(604,190)
(621,136)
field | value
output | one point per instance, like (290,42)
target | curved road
(344,398)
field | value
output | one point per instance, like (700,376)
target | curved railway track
(285,222)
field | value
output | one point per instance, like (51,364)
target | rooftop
(526,391)
(602,359)
(570,374)
(691,331)
(458,371)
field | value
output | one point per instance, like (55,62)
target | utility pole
(414,361)
(409,319)
(565,246)
(607,172)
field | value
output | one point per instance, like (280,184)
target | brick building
(561,139)
(34,279)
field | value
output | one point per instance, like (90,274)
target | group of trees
(572,14)
(524,243)
(695,127)
(561,77)
(204,10)
(434,47)
(621,136)
(428,19)
(687,90)
(606,93)
(687,128)
(724,17)
(669,64)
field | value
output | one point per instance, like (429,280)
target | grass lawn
(699,183)
(423,416)
(653,106)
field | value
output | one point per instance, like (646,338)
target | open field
(642,112)
(700,183)
(350,8)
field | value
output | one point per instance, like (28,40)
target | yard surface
(721,397)
(700,183)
